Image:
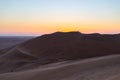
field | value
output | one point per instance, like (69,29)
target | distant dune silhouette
(72,45)
(58,47)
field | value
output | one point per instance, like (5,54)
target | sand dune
(73,45)
(63,56)
(103,68)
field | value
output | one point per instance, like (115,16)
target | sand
(63,56)
(101,68)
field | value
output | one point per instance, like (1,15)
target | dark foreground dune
(103,68)
(63,56)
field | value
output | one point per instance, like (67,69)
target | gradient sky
(34,17)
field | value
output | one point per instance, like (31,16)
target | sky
(34,17)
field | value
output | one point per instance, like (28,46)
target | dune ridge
(103,68)
(60,55)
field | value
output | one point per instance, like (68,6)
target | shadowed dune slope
(72,45)
(57,47)
(103,68)
(61,46)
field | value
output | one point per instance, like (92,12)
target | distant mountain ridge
(8,41)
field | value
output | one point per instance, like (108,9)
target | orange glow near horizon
(48,16)
(36,28)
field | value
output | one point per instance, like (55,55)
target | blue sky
(24,6)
